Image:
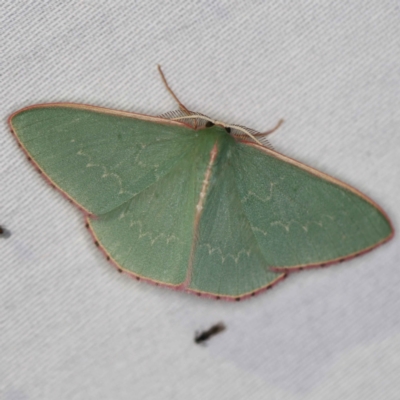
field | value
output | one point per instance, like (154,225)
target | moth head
(200,121)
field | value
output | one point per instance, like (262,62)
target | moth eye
(209,124)
(228,129)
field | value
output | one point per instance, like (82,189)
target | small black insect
(214,330)
(4,232)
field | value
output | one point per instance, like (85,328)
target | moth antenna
(245,132)
(280,122)
(181,106)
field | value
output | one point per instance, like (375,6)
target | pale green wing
(151,235)
(301,217)
(228,260)
(100,158)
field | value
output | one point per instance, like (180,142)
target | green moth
(191,203)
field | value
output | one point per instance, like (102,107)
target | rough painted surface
(195,210)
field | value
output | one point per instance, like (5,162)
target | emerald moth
(188,202)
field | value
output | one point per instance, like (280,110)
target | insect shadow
(202,337)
